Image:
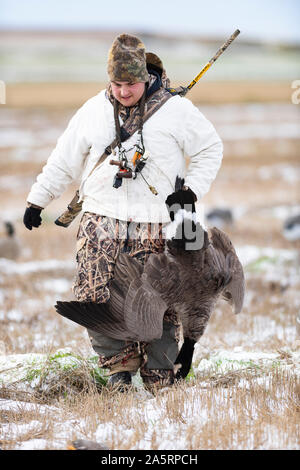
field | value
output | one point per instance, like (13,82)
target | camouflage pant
(99,242)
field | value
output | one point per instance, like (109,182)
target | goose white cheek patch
(186,226)
(181,216)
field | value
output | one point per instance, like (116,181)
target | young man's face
(128,94)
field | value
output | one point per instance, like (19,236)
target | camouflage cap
(127,60)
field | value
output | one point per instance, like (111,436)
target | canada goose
(220,218)
(9,245)
(291,228)
(189,280)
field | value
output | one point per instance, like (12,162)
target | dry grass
(62,95)
(243,414)
(242,418)
(233,410)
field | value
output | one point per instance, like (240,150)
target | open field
(59,95)
(243,391)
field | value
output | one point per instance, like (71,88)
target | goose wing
(97,317)
(163,275)
(134,311)
(144,308)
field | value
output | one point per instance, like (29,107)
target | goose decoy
(9,245)
(83,444)
(291,228)
(196,268)
(220,218)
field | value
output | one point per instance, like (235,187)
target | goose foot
(185,358)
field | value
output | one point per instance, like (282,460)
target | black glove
(181,199)
(32,217)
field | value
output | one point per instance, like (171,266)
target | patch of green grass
(68,365)
(191,375)
(260,263)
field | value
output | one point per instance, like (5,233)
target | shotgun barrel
(212,60)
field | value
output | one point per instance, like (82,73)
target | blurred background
(53,58)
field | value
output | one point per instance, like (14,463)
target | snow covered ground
(169,434)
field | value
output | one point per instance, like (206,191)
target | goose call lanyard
(129,168)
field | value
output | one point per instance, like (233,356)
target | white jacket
(177,129)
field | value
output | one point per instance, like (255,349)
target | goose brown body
(193,281)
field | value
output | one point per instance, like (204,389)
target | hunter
(124,206)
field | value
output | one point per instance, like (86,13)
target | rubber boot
(121,381)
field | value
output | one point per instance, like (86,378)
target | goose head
(291,228)
(184,233)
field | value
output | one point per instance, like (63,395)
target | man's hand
(182,199)
(32,217)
